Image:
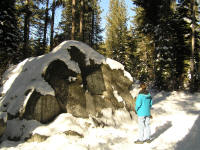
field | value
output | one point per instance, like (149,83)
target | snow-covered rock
(73,78)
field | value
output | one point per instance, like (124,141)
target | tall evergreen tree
(188,12)
(171,33)
(73,19)
(66,23)
(31,17)
(116,30)
(96,28)
(144,66)
(86,21)
(82,11)
(45,25)
(27,16)
(157,20)
(55,4)
(37,42)
(9,35)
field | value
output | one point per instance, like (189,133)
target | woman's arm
(138,103)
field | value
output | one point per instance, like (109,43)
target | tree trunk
(45,26)
(81,20)
(192,43)
(52,25)
(92,30)
(73,19)
(26,29)
(173,5)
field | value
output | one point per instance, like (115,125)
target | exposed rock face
(82,85)
(42,108)
(2,127)
(3,120)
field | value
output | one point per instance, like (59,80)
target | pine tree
(170,32)
(116,30)
(188,12)
(194,70)
(144,61)
(55,4)
(66,23)
(96,28)
(9,35)
(86,21)
(27,16)
(38,32)
(45,26)
(73,19)
(30,17)
(158,22)
(130,52)
(82,11)
(39,24)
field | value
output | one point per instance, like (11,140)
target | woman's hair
(143,87)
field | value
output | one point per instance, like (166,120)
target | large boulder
(72,78)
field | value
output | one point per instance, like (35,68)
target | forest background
(158,41)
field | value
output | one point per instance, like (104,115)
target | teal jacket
(143,104)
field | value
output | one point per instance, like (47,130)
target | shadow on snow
(192,139)
(160,130)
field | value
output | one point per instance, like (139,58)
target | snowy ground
(175,126)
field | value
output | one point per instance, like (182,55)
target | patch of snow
(62,123)
(116,65)
(187,20)
(22,109)
(117,96)
(72,79)
(85,49)
(128,75)
(135,91)
(12,74)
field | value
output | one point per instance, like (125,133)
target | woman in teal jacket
(142,108)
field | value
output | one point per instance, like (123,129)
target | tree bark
(73,19)
(92,31)
(26,29)
(192,43)
(45,26)
(52,25)
(173,5)
(81,20)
